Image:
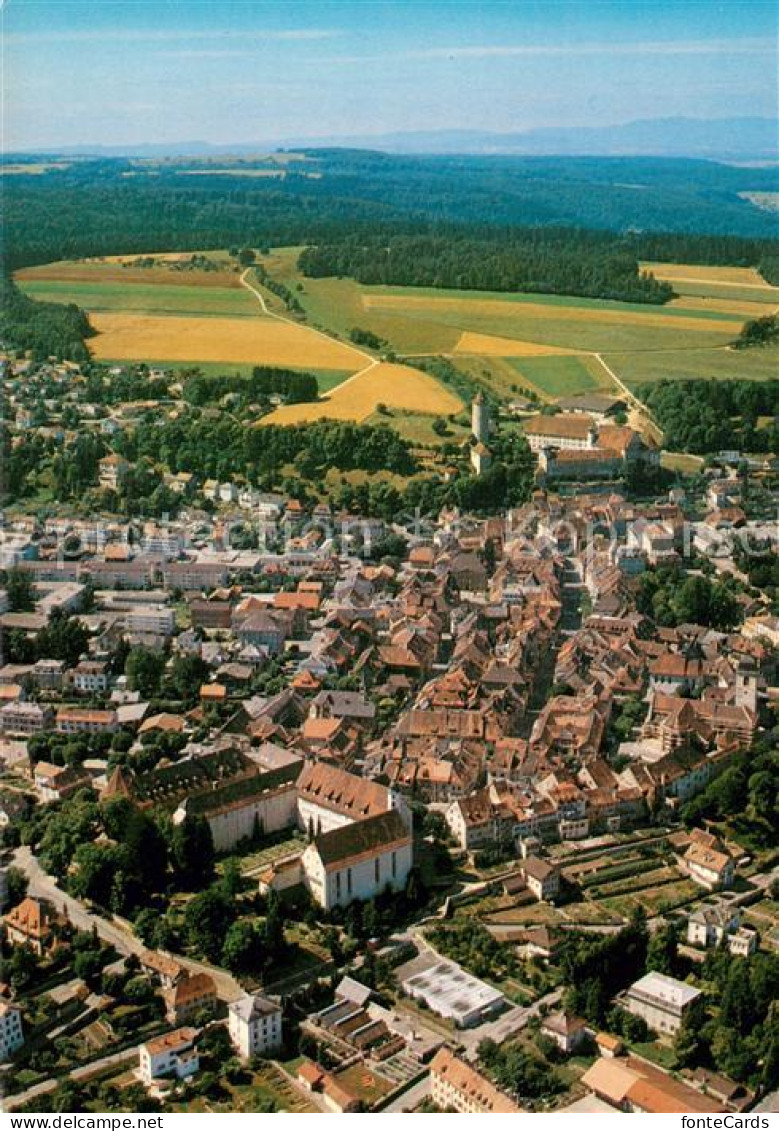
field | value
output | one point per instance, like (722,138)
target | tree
(689,1045)
(737,1012)
(207,918)
(192,852)
(20,591)
(241,949)
(273,939)
(64,638)
(144,669)
(246,257)
(662,950)
(187,673)
(16,885)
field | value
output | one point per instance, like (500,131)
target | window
(338,885)
(349,880)
(377,870)
(394,864)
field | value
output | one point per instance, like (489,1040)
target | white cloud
(120,36)
(574,50)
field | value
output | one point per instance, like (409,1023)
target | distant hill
(743,139)
(726,139)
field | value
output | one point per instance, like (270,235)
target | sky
(127,72)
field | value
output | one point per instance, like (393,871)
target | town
(379,809)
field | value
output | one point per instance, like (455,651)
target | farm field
(146,298)
(561,376)
(724,276)
(545,342)
(397,386)
(736,285)
(122,270)
(123,336)
(169,313)
(713,365)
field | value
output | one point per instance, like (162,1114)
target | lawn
(682,462)
(661,1055)
(426,320)
(526,916)
(267,1084)
(417,427)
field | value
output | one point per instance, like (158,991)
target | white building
(254,1024)
(11,1036)
(661,1001)
(566,431)
(329,798)
(712,923)
(358,861)
(709,867)
(173,1056)
(452,992)
(90,676)
(151,619)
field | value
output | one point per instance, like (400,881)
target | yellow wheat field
(397,386)
(743,308)
(724,276)
(548,312)
(262,341)
(490,345)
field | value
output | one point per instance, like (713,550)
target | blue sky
(118,72)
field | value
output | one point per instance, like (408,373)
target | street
(120,938)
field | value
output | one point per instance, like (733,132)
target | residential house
(541,877)
(662,1001)
(713,922)
(189,997)
(172,1056)
(254,1024)
(709,865)
(112,471)
(33,923)
(567,1031)
(456,1085)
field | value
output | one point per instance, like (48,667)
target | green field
(559,376)
(144,298)
(762,296)
(422,320)
(711,364)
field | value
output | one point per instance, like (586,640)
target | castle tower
(480,418)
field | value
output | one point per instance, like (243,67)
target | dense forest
(93,208)
(46,329)
(547,260)
(710,416)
